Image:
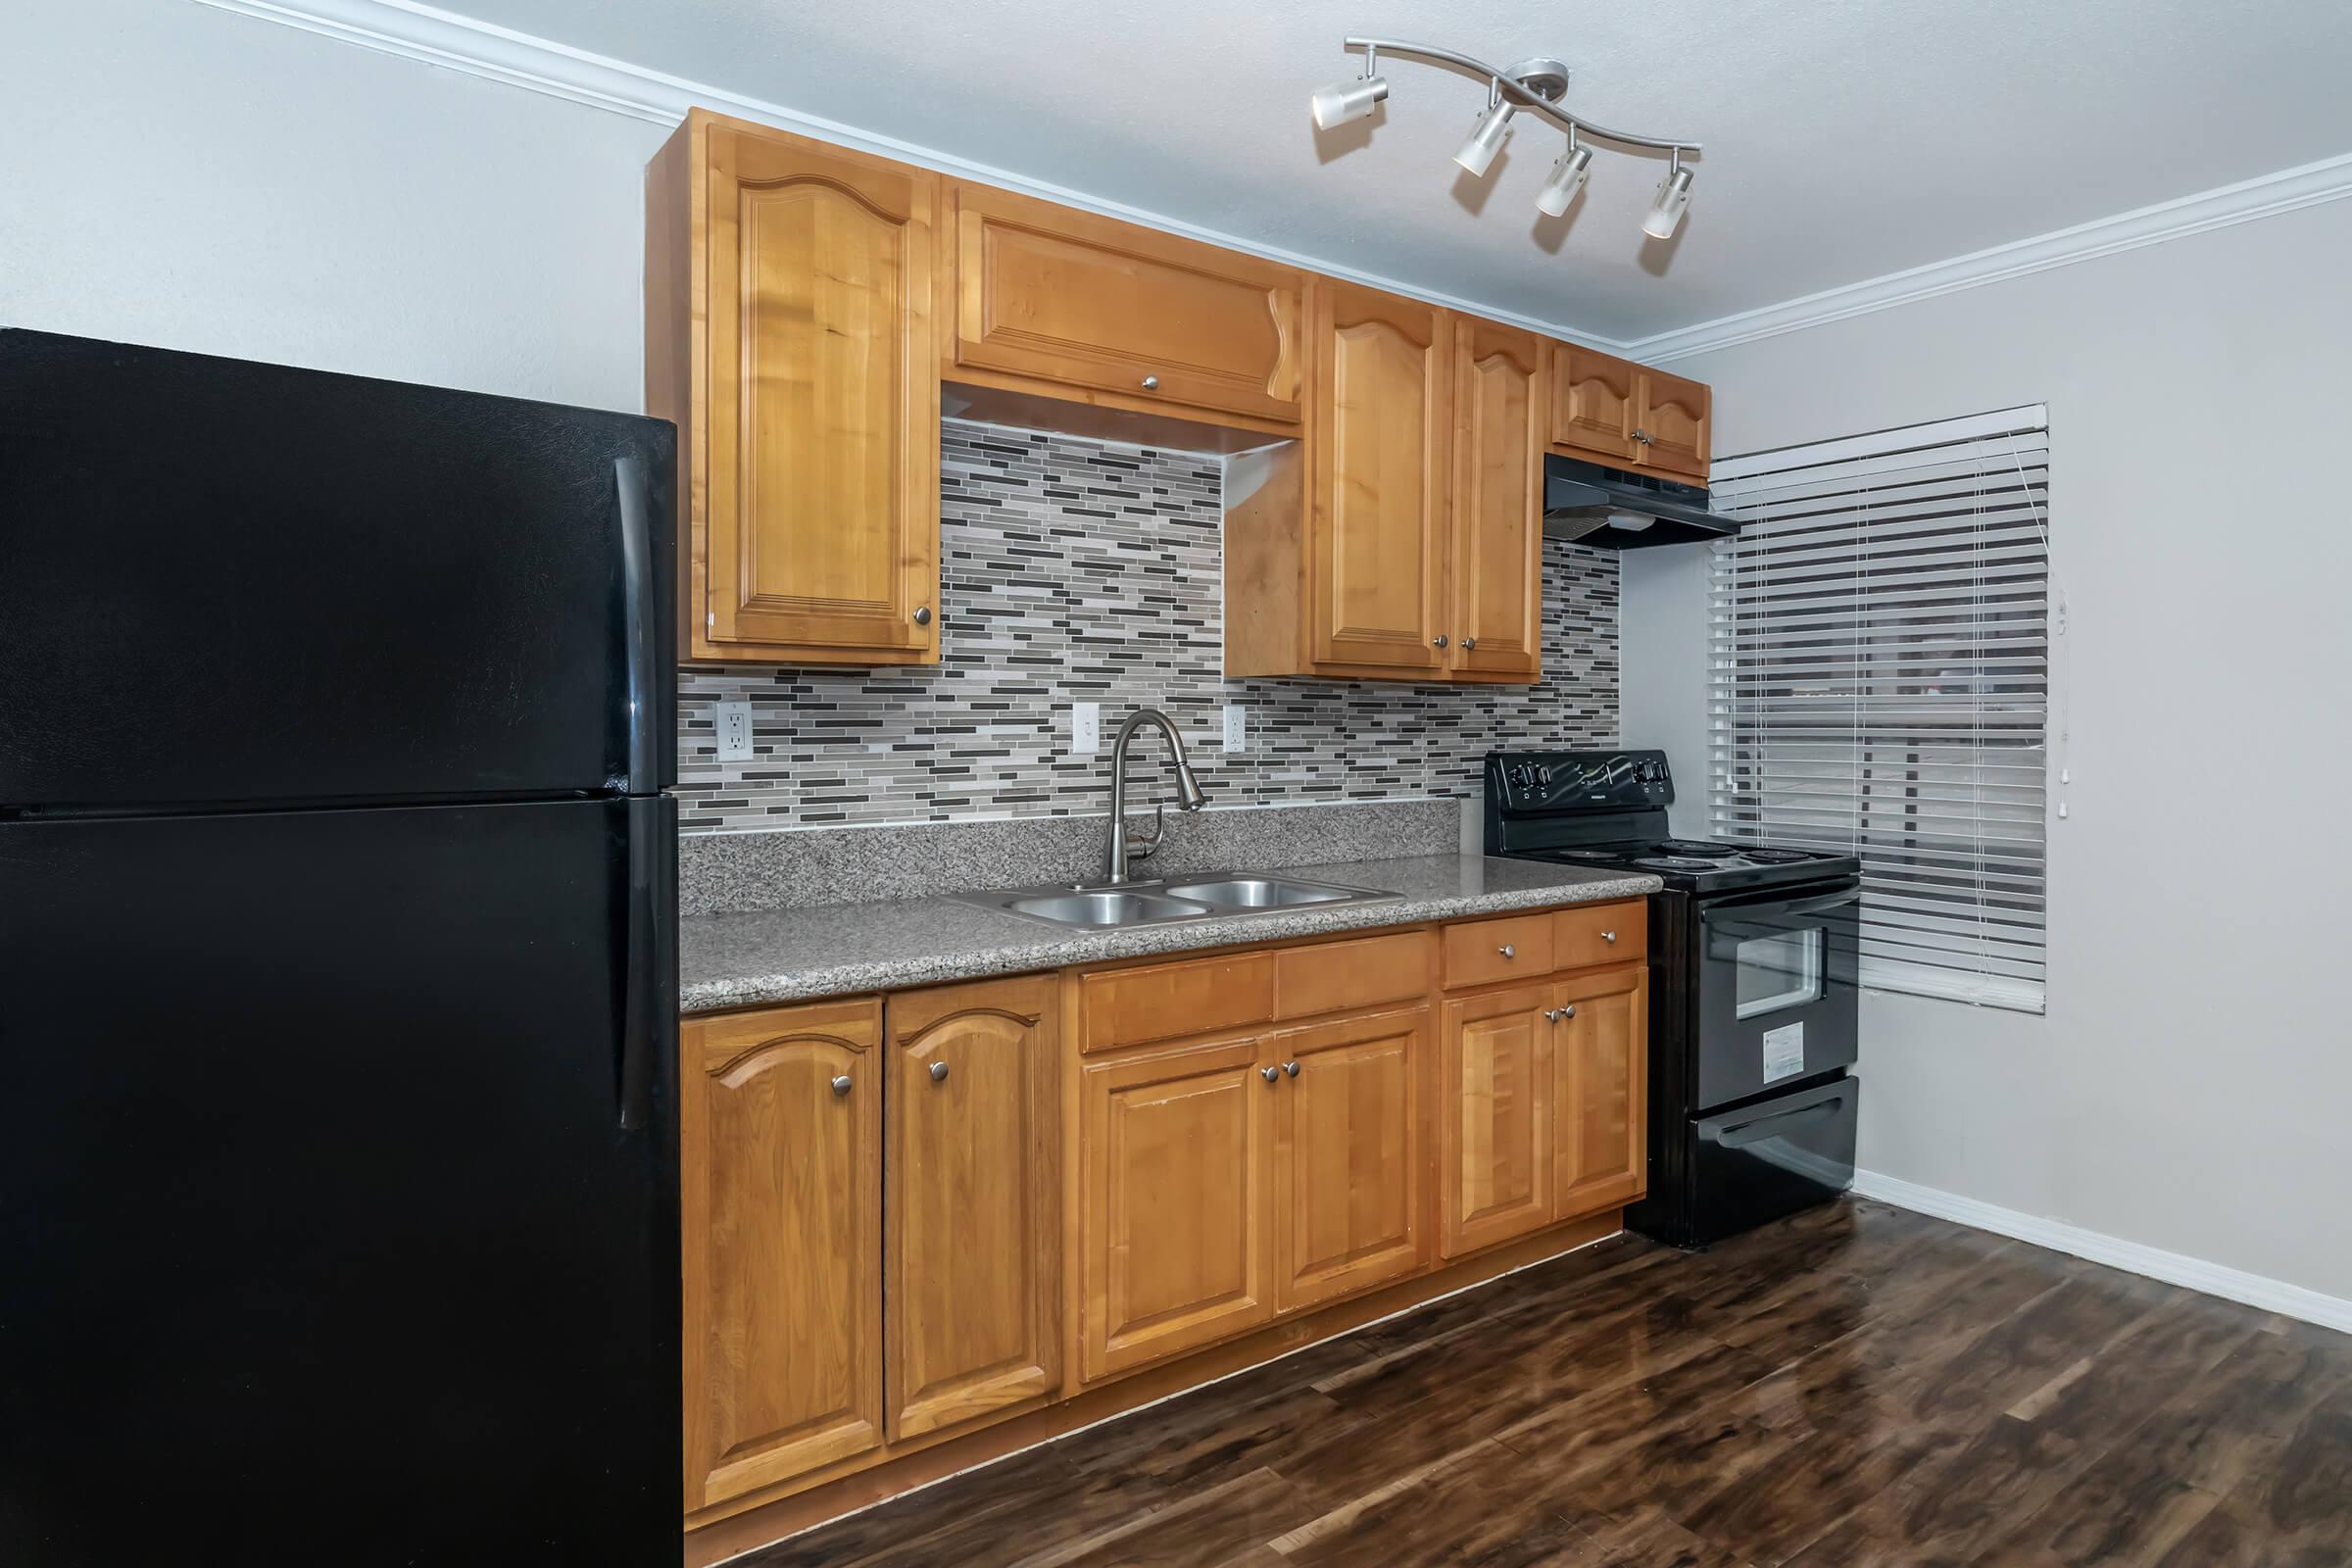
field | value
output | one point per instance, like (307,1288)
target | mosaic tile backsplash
(1077,572)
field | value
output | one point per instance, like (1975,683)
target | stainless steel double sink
(1199,897)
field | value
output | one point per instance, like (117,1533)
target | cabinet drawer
(1498,949)
(1606,933)
(1159,1002)
(1335,975)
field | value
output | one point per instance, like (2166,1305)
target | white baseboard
(2173,1268)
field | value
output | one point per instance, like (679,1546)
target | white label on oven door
(1784,1052)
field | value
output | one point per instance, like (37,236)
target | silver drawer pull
(939,1072)
(841,1085)
(1608,935)
(1150,384)
(1508,950)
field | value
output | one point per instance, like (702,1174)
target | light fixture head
(1567,177)
(1666,208)
(1487,135)
(1343,101)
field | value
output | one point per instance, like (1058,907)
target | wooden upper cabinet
(1628,416)
(1595,405)
(1494,1114)
(1600,1090)
(1174,1150)
(1381,439)
(973,1200)
(1671,423)
(1073,300)
(780,1141)
(790,335)
(1347,1172)
(1500,401)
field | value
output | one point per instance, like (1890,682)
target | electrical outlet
(1236,728)
(734,732)
(1086,728)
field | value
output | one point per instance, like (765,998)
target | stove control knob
(1523,776)
(1544,776)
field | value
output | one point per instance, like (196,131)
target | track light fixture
(1535,86)
(1488,132)
(1666,207)
(1343,101)
(1566,179)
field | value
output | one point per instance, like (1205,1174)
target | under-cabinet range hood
(1615,509)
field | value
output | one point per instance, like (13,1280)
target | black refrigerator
(339,1190)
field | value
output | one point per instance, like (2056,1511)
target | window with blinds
(1880,685)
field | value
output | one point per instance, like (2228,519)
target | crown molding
(2264,196)
(436,38)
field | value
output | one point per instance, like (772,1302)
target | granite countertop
(751,957)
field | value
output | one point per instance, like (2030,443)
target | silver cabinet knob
(841,1085)
(1150,384)
(1290,1067)
(939,1072)
(1551,1015)
(1269,1074)
(1508,950)
(1567,1012)
(1469,643)
(1644,436)
(1608,935)
(1438,641)
(923,615)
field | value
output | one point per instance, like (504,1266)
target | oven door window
(1776,970)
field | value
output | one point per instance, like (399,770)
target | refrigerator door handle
(648,1023)
(642,632)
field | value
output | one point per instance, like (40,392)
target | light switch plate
(1086,728)
(1236,728)
(734,732)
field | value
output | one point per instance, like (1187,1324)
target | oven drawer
(1763,1160)
(1606,933)
(1485,951)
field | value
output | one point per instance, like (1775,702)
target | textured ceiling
(1845,138)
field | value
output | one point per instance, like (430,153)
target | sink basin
(1106,909)
(1260,893)
(1128,904)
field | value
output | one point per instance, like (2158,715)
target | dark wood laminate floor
(1858,1385)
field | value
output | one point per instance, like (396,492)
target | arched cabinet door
(1380,440)
(973,1195)
(780,1123)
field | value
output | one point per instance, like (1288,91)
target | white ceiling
(1845,138)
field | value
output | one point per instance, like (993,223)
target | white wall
(175,174)
(2191,1087)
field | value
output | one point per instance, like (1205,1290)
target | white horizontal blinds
(1880,663)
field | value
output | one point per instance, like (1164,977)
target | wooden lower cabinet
(1348,1185)
(1176,1150)
(780,1124)
(1601,1090)
(1494,1154)
(920,1225)
(972,1194)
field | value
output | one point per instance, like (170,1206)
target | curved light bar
(1519,96)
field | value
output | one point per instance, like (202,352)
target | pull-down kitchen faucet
(1189,797)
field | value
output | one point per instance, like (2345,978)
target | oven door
(1775,998)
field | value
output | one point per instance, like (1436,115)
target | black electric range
(1753,954)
